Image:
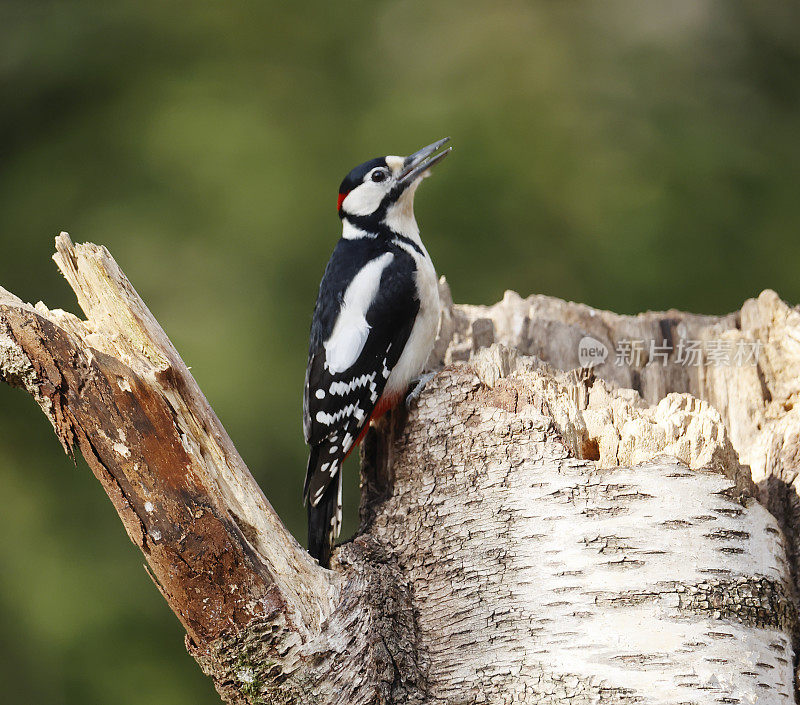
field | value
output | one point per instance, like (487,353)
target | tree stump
(581,507)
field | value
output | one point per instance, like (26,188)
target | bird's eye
(378,175)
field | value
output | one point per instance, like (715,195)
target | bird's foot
(419,385)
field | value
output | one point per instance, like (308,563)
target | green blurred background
(631,155)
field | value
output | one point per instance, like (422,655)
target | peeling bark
(531,532)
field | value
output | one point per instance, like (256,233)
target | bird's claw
(421,381)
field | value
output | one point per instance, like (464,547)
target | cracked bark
(531,532)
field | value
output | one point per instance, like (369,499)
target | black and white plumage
(373,327)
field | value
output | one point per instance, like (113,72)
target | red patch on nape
(339,201)
(384,404)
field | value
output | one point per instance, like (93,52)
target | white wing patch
(342,388)
(351,329)
(347,442)
(349,410)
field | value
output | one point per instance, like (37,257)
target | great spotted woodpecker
(373,327)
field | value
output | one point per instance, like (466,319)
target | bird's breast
(423,333)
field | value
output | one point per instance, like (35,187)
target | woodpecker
(373,326)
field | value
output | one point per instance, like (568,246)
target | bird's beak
(418,163)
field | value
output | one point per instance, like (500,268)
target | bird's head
(374,189)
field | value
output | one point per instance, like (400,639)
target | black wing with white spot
(366,309)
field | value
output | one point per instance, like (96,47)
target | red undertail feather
(385,403)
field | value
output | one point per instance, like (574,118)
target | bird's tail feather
(322,525)
(324,521)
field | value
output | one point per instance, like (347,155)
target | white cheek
(364,200)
